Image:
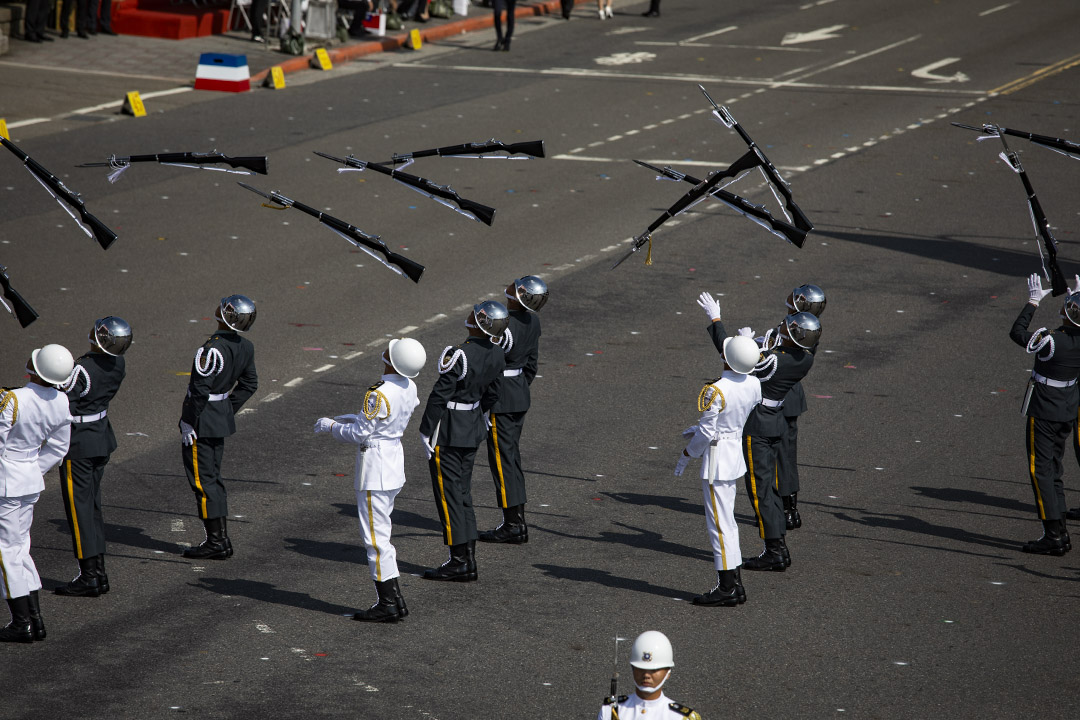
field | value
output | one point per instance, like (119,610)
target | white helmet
(407,356)
(741,354)
(652,651)
(52,363)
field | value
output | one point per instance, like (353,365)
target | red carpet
(163,19)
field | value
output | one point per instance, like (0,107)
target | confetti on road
(313,349)
(852,367)
(823,397)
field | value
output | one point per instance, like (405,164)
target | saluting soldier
(1051,409)
(521,344)
(724,404)
(781,367)
(92,386)
(380,467)
(651,659)
(35,429)
(222,379)
(453,425)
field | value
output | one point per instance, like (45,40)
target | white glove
(711,307)
(690,431)
(187,434)
(746,332)
(681,465)
(427,445)
(487,419)
(1035,289)
(323,424)
(1077,288)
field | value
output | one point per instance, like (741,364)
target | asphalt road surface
(908,596)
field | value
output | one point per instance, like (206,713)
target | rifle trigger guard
(275,206)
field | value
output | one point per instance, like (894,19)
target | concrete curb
(396,42)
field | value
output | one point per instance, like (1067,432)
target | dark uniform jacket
(95,438)
(482,383)
(234,375)
(792,365)
(524,353)
(1058,360)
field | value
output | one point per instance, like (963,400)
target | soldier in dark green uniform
(453,425)
(92,386)
(521,343)
(1051,409)
(222,379)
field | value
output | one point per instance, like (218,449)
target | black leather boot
(18,630)
(513,529)
(86,584)
(215,546)
(739,586)
(789,519)
(385,610)
(456,567)
(102,578)
(725,593)
(470,558)
(1051,543)
(784,552)
(403,611)
(771,558)
(37,625)
(225,535)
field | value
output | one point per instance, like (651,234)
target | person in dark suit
(37,17)
(99,17)
(654,9)
(453,425)
(223,377)
(1051,409)
(521,345)
(92,386)
(502,42)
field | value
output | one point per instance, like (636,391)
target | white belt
(463,406)
(1051,382)
(21,454)
(725,436)
(772,403)
(514,372)
(215,397)
(88,418)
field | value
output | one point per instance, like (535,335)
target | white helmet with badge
(652,651)
(52,363)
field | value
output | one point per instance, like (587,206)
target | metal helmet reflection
(803,328)
(491,317)
(238,312)
(1071,308)
(807,298)
(531,292)
(112,335)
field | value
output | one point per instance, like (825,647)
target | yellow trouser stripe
(498,462)
(374,544)
(198,483)
(74,515)
(442,497)
(3,571)
(753,487)
(1031,468)
(716,522)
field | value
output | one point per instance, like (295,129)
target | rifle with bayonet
(741,205)
(371,244)
(71,201)
(484,150)
(19,307)
(755,158)
(1065,147)
(613,699)
(197,161)
(443,194)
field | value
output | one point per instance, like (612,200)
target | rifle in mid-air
(1065,147)
(71,201)
(19,307)
(198,161)
(371,244)
(443,194)
(483,150)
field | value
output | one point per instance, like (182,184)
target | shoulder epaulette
(708,394)
(449,357)
(8,396)
(374,400)
(616,700)
(684,711)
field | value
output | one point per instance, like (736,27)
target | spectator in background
(654,9)
(567,7)
(259,11)
(37,17)
(81,13)
(510,6)
(604,8)
(94,21)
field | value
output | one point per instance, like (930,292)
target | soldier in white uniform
(35,430)
(652,659)
(380,467)
(725,403)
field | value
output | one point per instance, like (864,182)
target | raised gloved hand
(323,424)
(1077,288)
(1035,289)
(187,434)
(690,431)
(709,304)
(427,445)
(684,460)
(746,332)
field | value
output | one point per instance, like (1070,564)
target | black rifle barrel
(1059,144)
(22,310)
(532,148)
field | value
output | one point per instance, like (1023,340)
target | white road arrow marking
(812,36)
(925,72)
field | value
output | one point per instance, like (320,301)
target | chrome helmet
(1070,309)
(238,312)
(112,335)
(530,291)
(803,328)
(491,317)
(807,298)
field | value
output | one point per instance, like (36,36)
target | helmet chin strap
(647,689)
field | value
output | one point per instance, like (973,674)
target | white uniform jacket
(718,435)
(29,417)
(388,405)
(662,708)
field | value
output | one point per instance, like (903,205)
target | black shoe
(739,586)
(506,45)
(108,31)
(770,559)
(651,13)
(84,35)
(785,553)
(385,610)
(498,45)
(1051,543)
(37,625)
(86,584)
(19,629)
(45,38)
(726,592)
(513,529)
(99,571)
(403,611)
(63,33)
(456,568)
(216,546)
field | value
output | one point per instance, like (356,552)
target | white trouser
(374,508)
(720,523)
(18,574)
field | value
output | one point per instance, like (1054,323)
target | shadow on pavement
(974,496)
(602,577)
(265,592)
(640,539)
